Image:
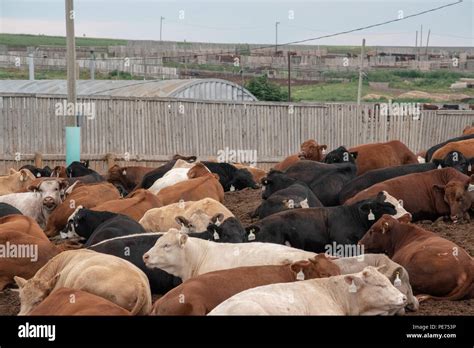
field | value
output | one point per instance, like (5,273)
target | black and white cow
(230,177)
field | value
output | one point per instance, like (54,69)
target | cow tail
(141,300)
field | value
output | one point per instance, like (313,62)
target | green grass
(331,92)
(208,67)
(37,40)
(16,74)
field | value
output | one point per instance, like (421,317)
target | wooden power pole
(359,89)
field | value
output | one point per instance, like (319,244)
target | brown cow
(128,177)
(87,195)
(67,301)
(257,173)
(310,150)
(199,295)
(437,267)
(134,206)
(59,172)
(466,147)
(194,189)
(24,248)
(16,181)
(468,130)
(382,155)
(428,195)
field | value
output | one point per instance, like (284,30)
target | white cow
(398,204)
(46,196)
(187,257)
(191,216)
(173,176)
(365,293)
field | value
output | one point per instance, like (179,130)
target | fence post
(38,160)
(110,158)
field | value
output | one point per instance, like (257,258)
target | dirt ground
(241,203)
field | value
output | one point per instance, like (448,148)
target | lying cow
(67,301)
(229,231)
(186,257)
(230,177)
(466,147)
(375,156)
(297,195)
(468,130)
(194,189)
(176,175)
(134,206)
(113,279)
(128,177)
(191,216)
(325,180)
(257,173)
(433,149)
(365,293)
(132,248)
(397,275)
(16,181)
(438,268)
(314,229)
(44,172)
(33,249)
(200,295)
(80,194)
(310,150)
(39,204)
(8,209)
(427,195)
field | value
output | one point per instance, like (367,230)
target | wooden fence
(149,130)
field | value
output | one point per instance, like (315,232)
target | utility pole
(289,76)
(31,66)
(276,36)
(427,42)
(359,89)
(421,40)
(92,65)
(73,132)
(161,25)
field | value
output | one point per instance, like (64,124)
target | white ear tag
(469,167)
(397,282)
(371,216)
(232,188)
(124,172)
(470,188)
(439,166)
(291,204)
(400,203)
(216,235)
(300,275)
(353,287)
(323,151)
(263,187)
(251,235)
(38,175)
(181,204)
(218,223)
(63,235)
(304,203)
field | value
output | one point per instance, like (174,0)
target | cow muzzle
(49,203)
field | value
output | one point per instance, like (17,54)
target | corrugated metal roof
(208,89)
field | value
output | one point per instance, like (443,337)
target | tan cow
(24,248)
(87,195)
(466,147)
(134,206)
(16,181)
(194,189)
(107,276)
(310,150)
(66,301)
(193,216)
(468,130)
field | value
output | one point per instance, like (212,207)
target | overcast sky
(246,21)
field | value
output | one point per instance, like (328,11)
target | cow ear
(218,216)
(63,184)
(440,188)
(354,154)
(50,284)
(381,268)
(323,147)
(380,197)
(34,187)
(23,175)
(12,171)
(19,281)
(181,220)
(182,239)
(299,265)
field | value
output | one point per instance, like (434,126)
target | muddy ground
(241,203)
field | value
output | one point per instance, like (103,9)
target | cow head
(370,210)
(454,159)
(189,159)
(311,150)
(402,215)
(197,222)
(374,293)
(242,178)
(51,190)
(457,196)
(197,171)
(74,222)
(33,291)
(274,181)
(340,155)
(318,267)
(168,253)
(399,274)
(59,172)
(229,231)
(378,237)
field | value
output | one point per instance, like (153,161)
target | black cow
(375,176)
(297,195)
(77,168)
(38,172)
(314,229)
(229,231)
(117,226)
(433,149)
(230,176)
(340,155)
(132,248)
(7,209)
(325,180)
(450,107)
(85,221)
(149,178)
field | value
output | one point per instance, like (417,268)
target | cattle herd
(334,234)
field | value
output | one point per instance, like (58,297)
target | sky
(246,21)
